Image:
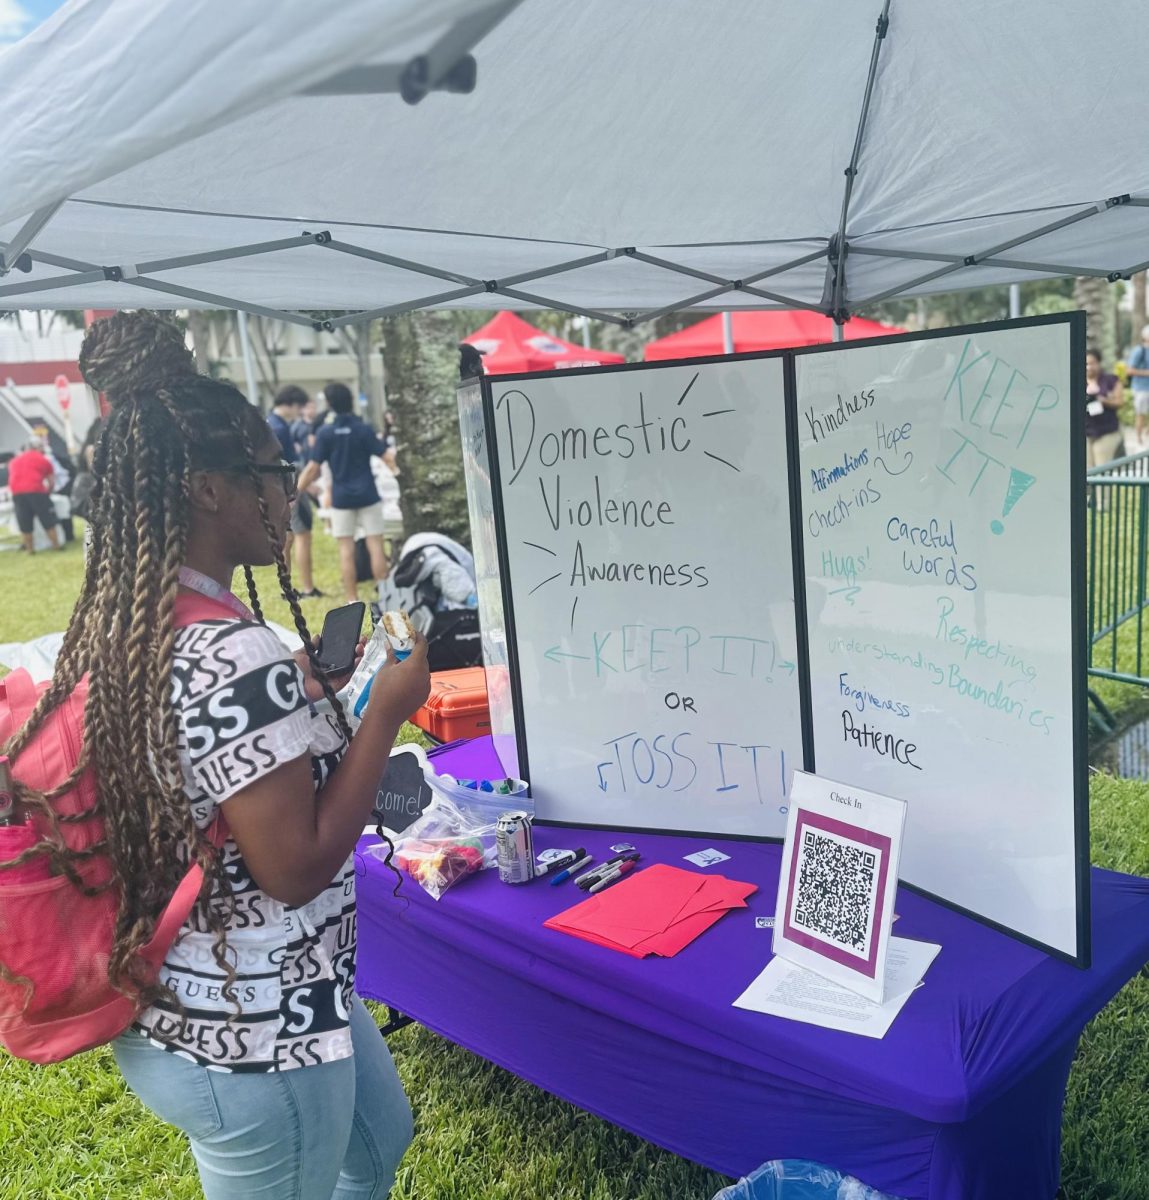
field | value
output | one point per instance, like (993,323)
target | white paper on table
(786,990)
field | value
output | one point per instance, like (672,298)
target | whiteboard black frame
(1075,323)
(489,383)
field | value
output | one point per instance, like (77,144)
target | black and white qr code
(834,889)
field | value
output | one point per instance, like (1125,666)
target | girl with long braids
(252,1042)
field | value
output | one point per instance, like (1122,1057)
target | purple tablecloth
(960,1101)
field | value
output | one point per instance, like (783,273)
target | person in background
(347,443)
(285,419)
(1139,373)
(31,478)
(386,470)
(1102,400)
(470,362)
(55,449)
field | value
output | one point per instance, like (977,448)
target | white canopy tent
(615,159)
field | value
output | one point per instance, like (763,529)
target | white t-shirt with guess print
(242,713)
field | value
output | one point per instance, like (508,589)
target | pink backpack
(55,942)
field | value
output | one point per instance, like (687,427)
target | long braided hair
(166,422)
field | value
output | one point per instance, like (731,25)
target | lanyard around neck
(196,581)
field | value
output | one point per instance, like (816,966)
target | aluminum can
(516,847)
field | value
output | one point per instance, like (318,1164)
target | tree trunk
(422,359)
(1093,296)
(264,334)
(358,343)
(199,326)
(1138,306)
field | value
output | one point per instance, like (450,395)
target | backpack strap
(22,694)
(183,900)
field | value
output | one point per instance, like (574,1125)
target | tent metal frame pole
(725,285)
(404,306)
(813,256)
(53,283)
(91,273)
(211,300)
(211,256)
(836,268)
(405,264)
(973,260)
(741,285)
(1013,264)
(545,302)
(381,78)
(26,235)
(653,315)
(575,264)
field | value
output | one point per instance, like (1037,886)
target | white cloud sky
(15,21)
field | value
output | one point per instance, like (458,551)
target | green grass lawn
(72,1132)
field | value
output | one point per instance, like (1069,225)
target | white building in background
(37,349)
(305,357)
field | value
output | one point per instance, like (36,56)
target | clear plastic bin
(792,1179)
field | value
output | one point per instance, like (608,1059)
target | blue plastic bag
(792,1179)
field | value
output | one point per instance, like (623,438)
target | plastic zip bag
(454,836)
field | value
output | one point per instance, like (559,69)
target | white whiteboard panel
(485,548)
(937,494)
(650,568)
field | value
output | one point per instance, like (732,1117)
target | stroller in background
(434,582)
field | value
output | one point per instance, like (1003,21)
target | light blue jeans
(330,1132)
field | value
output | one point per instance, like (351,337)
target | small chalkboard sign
(403,791)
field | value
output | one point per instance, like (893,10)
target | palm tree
(1096,298)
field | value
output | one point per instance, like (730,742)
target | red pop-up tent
(771,330)
(508,343)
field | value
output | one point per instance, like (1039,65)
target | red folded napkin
(659,910)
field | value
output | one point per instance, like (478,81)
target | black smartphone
(340,636)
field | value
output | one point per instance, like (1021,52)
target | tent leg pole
(838,332)
(1014,300)
(248,369)
(727,333)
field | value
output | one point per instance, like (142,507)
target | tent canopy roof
(642,157)
(508,343)
(776,330)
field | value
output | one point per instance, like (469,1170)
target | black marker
(589,878)
(563,860)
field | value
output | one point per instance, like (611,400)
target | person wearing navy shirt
(348,445)
(284,415)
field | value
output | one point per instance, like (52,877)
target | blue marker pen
(569,871)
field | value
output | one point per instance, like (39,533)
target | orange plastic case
(457,705)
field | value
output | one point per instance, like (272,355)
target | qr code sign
(834,889)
